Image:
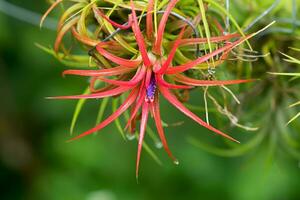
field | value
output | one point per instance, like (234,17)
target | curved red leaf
(101,72)
(130,99)
(157,119)
(194,82)
(99,95)
(161,27)
(115,24)
(174,101)
(118,60)
(145,112)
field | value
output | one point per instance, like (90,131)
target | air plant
(151,49)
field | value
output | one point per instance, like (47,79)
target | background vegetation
(36,163)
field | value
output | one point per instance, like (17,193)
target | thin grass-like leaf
(69,13)
(48,11)
(237,151)
(150,152)
(63,31)
(291,59)
(234,22)
(284,74)
(145,113)
(68,60)
(172,99)
(125,105)
(295,104)
(77,110)
(111,30)
(102,107)
(206,26)
(294,118)
(117,121)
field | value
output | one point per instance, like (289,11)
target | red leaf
(105,88)
(140,100)
(172,53)
(130,99)
(149,19)
(174,101)
(84,39)
(161,27)
(140,74)
(156,114)
(161,81)
(139,37)
(187,66)
(145,111)
(102,72)
(148,77)
(115,24)
(116,59)
(219,26)
(99,95)
(192,41)
(194,82)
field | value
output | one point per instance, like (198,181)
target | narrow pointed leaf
(116,59)
(99,95)
(115,24)
(139,37)
(194,82)
(158,123)
(117,121)
(78,108)
(161,28)
(172,53)
(174,101)
(112,117)
(102,72)
(145,112)
(161,81)
(149,19)
(48,11)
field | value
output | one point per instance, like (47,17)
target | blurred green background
(37,163)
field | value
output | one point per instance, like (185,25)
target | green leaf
(233,152)
(294,118)
(154,137)
(290,58)
(149,151)
(222,9)
(117,121)
(295,104)
(77,111)
(78,61)
(205,23)
(101,111)
(284,74)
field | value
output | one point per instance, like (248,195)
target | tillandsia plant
(140,51)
